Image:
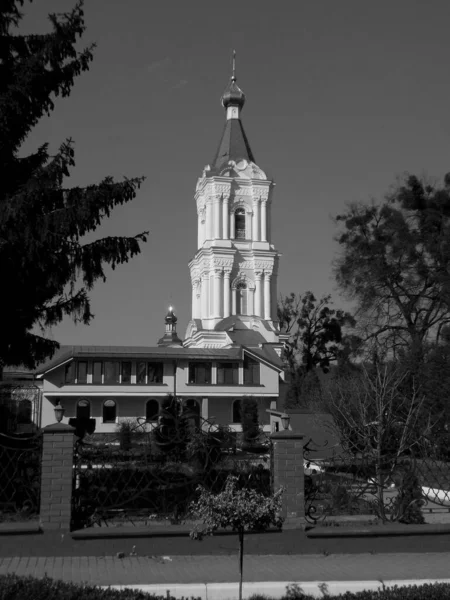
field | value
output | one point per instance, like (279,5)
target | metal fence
(20,476)
(150,470)
(391,487)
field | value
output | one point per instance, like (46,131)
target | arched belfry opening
(239,223)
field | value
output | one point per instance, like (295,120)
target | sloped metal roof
(66,353)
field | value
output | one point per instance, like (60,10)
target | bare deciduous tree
(378,425)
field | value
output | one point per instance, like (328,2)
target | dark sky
(343,97)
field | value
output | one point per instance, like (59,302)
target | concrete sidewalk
(215,577)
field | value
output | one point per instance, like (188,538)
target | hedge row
(13,587)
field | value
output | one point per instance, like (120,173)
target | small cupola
(170,337)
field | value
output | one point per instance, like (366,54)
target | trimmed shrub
(13,587)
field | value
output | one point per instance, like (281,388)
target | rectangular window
(126,372)
(199,372)
(227,373)
(155,372)
(97,372)
(69,373)
(82,371)
(251,371)
(112,371)
(141,372)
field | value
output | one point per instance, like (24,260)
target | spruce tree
(46,269)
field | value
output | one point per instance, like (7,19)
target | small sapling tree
(242,510)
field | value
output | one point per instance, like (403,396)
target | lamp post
(285,418)
(59,412)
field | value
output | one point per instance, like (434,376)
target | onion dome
(233,95)
(170,337)
(170,318)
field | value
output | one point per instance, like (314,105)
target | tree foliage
(394,263)
(48,269)
(316,339)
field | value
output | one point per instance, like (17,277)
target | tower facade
(234,271)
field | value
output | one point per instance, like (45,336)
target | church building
(232,346)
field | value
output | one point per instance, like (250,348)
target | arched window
(237,417)
(109,411)
(83,409)
(151,411)
(191,408)
(239,224)
(241,298)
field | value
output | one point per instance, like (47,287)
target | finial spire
(233,97)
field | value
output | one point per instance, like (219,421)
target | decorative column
(57,475)
(198,307)
(256,220)
(258,293)
(225,219)
(264,221)
(251,301)
(232,226)
(205,409)
(288,473)
(195,299)
(267,303)
(209,228)
(205,295)
(226,293)
(211,294)
(217,292)
(233,301)
(217,202)
(199,231)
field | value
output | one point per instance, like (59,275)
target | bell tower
(234,271)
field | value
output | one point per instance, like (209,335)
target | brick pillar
(56,477)
(288,473)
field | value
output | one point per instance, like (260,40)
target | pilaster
(258,293)
(56,478)
(288,474)
(226,293)
(267,299)
(225,219)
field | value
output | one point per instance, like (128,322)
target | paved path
(217,569)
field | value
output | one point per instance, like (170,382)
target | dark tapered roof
(234,145)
